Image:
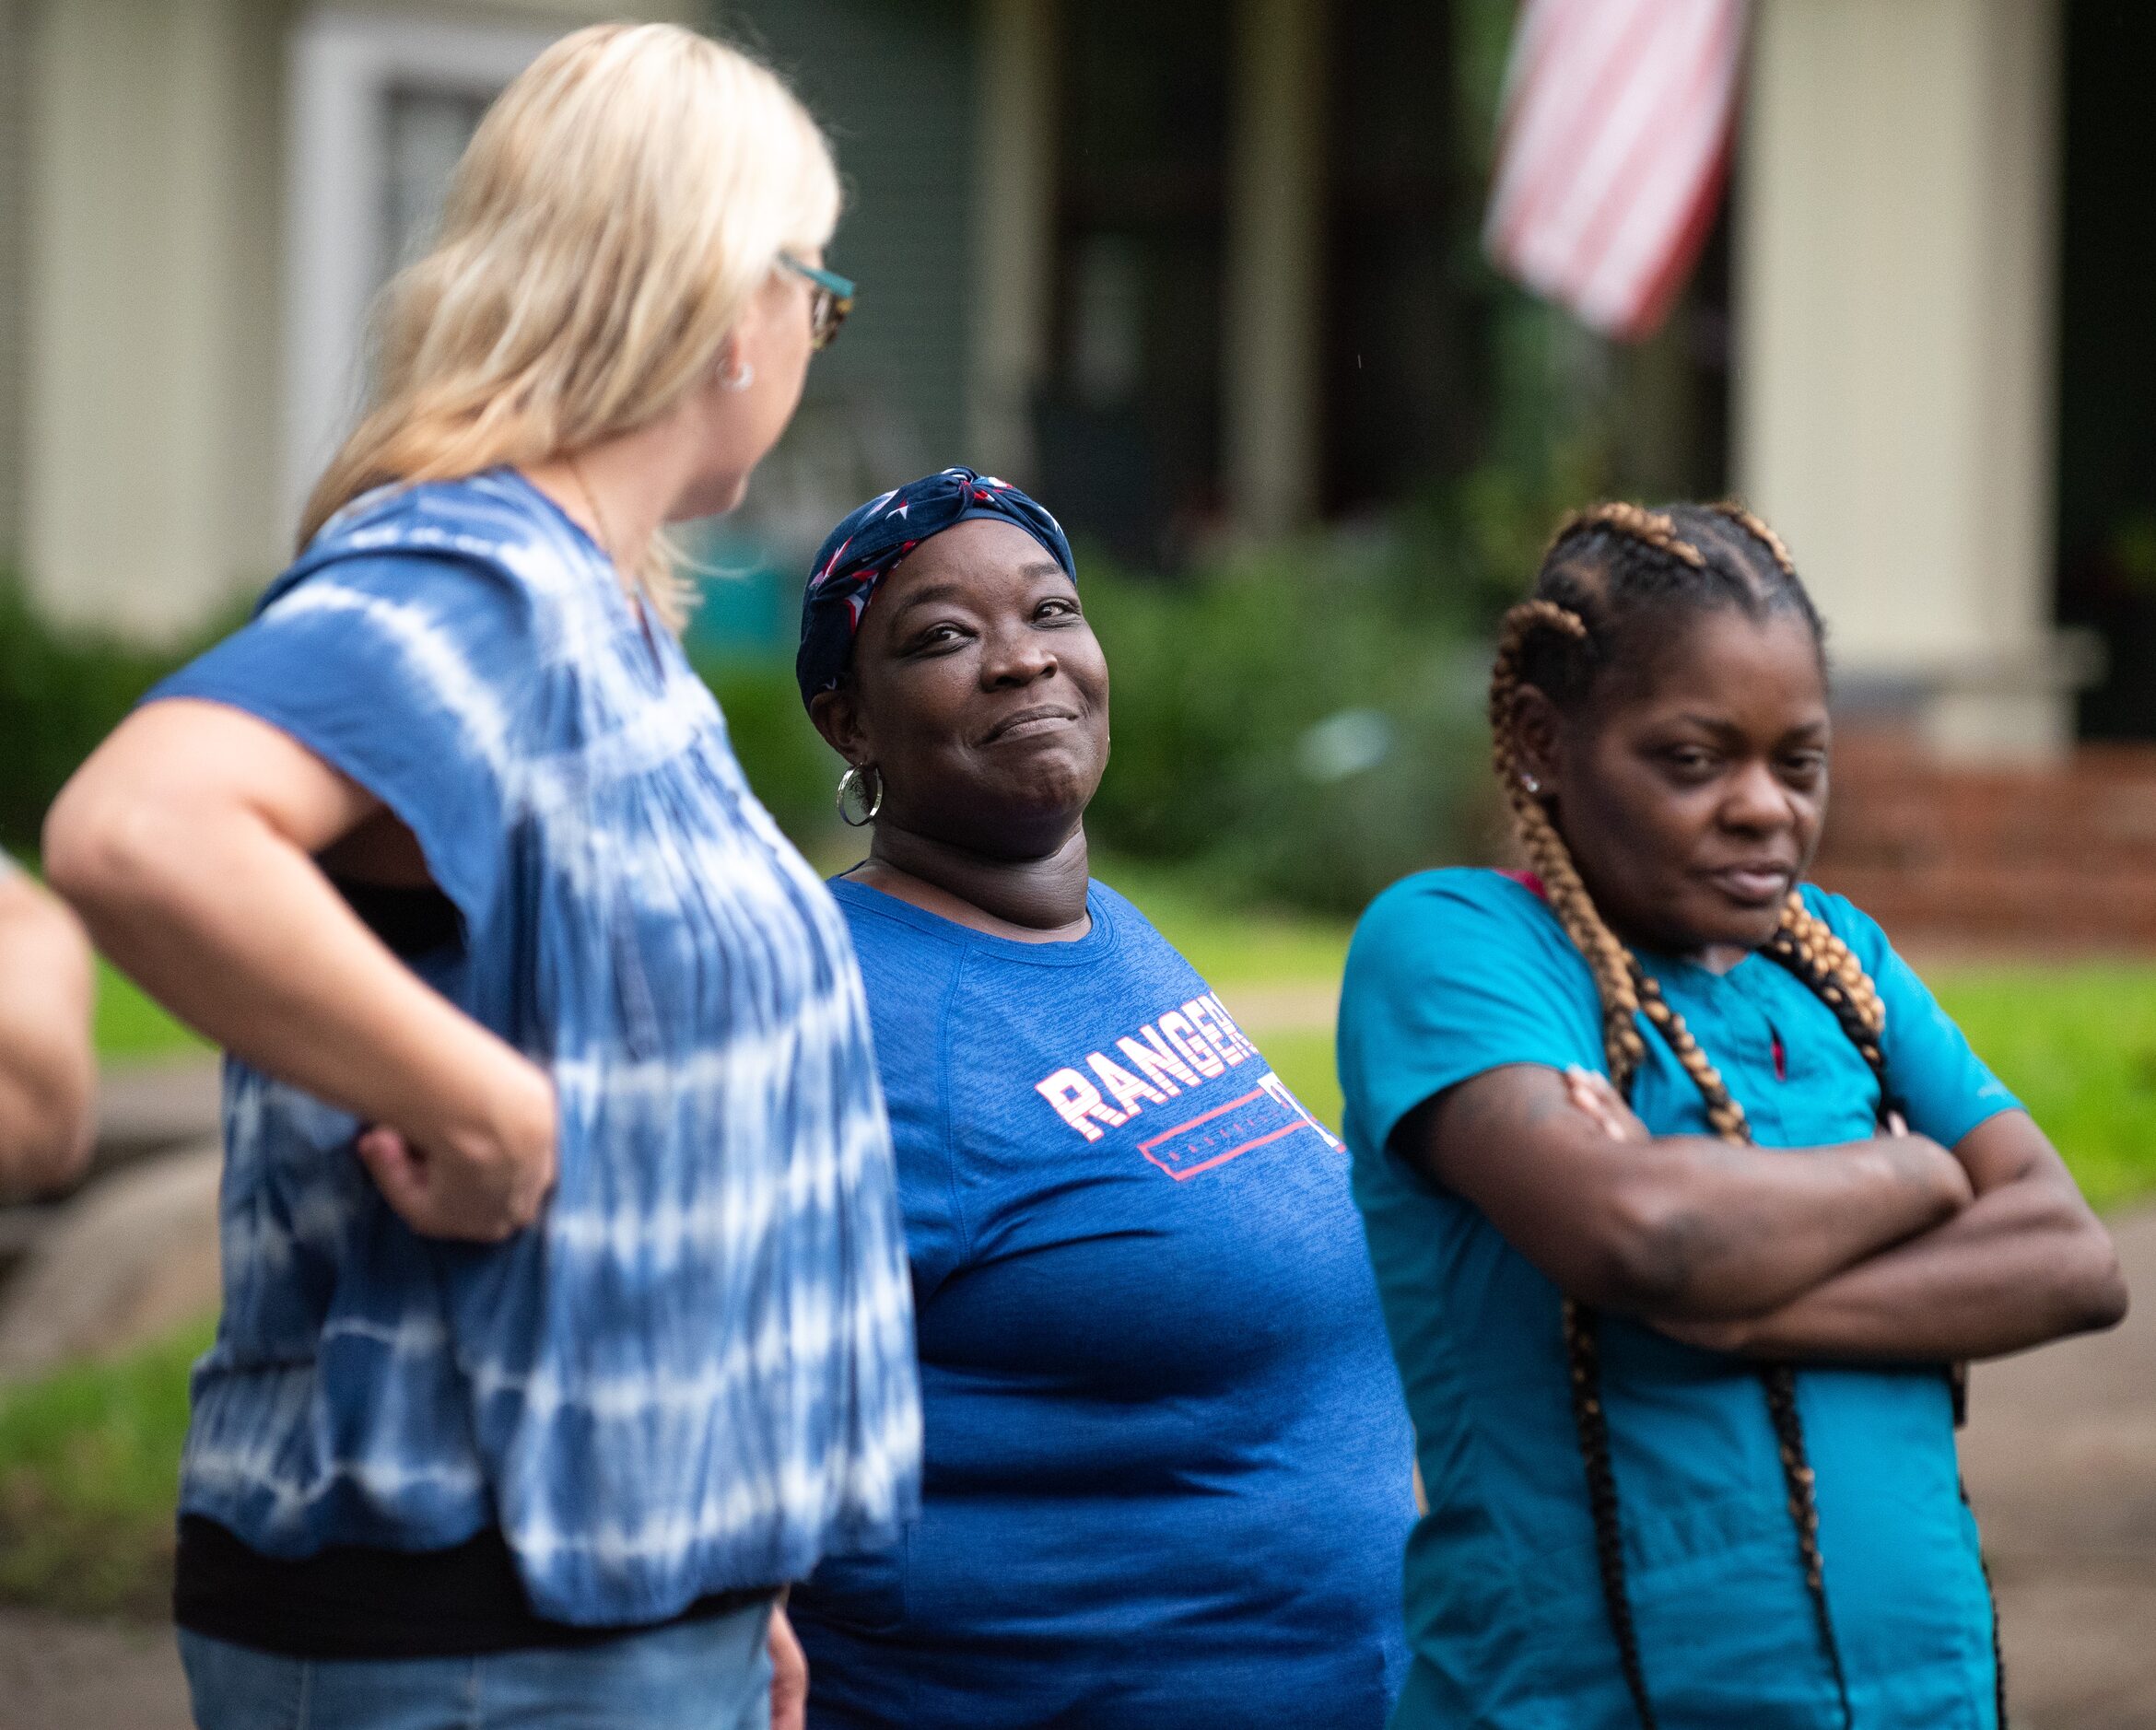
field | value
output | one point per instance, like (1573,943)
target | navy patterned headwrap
(866,547)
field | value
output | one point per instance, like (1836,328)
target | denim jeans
(713,1674)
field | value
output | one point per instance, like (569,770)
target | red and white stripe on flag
(1612,151)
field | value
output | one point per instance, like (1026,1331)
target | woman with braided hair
(1684,1194)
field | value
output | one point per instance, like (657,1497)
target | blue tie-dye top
(695,1372)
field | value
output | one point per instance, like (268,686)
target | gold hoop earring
(856,780)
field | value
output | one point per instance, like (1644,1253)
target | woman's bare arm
(187,842)
(47,1075)
(2027,1262)
(1670,1225)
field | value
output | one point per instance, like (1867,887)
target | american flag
(1612,151)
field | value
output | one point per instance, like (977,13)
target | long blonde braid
(1544,848)
(1625,988)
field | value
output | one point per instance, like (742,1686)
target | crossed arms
(1891,1248)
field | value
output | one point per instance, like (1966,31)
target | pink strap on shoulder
(1528,881)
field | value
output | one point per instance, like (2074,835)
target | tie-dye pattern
(696,1371)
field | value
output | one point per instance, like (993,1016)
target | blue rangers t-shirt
(1167,1476)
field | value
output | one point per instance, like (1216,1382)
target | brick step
(1895,814)
(2058,856)
(2038,906)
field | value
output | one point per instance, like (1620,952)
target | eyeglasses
(830,299)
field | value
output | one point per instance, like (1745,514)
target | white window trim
(342,66)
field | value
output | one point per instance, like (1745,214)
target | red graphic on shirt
(1263,1115)
(1178,1052)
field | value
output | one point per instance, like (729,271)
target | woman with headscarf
(566,1318)
(1167,1472)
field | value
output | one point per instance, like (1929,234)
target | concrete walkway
(2060,1460)
(59,1674)
(2061,1455)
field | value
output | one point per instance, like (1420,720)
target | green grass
(2074,1041)
(1265,948)
(2077,1044)
(131,1028)
(1232,946)
(90,1460)
(1302,1057)
(128,1026)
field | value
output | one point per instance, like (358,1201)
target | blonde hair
(617,208)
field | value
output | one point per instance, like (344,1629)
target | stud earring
(1531,783)
(740,379)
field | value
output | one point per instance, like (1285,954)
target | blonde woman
(566,1310)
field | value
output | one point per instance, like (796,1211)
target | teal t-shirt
(1453,972)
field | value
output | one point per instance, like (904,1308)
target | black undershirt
(349,1601)
(413,921)
(354,1601)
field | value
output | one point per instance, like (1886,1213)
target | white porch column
(14,249)
(1276,167)
(152,298)
(156,298)
(1896,344)
(1014,205)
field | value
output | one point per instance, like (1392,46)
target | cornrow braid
(1652,528)
(1741,516)
(1563,623)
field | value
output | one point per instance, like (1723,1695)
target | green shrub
(60,692)
(1304,727)
(792,769)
